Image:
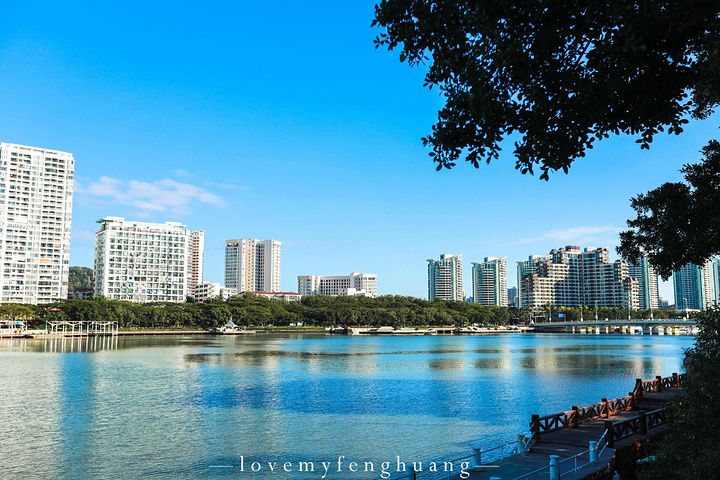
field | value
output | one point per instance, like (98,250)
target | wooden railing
(605,409)
(579,415)
(659,383)
(635,425)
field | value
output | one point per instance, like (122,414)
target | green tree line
(315,310)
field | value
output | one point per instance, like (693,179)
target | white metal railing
(479,458)
(555,468)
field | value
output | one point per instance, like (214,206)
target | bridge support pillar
(661,330)
(649,330)
(607,328)
(597,330)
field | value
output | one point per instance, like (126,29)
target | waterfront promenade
(585,443)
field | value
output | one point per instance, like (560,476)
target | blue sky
(283,121)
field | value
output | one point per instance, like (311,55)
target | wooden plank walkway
(568,442)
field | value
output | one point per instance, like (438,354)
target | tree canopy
(678,223)
(80,277)
(690,449)
(560,74)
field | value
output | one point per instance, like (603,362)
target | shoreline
(356,331)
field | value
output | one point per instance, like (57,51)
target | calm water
(205,407)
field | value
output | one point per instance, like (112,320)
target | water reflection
(197,401)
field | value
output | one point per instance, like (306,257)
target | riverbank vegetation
(315,310)
(690,449)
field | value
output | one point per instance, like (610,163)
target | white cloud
(183,173)
(225,186)
(164,195)
(577,235)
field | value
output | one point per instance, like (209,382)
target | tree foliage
(313,310)
(560,74)
(690,449)
(256,310)
(677,223)
(80,277)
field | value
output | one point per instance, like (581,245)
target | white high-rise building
(694,287)
(716,280)
(527,267)
(142,262)
(489,280)
(355,284)
(36,190)
(445,278)
(573,277)
(252,265)
(196,260)
(647,279)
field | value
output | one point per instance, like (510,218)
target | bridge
(582,443)
(646,326)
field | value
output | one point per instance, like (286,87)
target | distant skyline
(282,121)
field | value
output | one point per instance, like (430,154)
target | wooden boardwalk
(574,439)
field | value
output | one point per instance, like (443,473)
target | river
(215,407)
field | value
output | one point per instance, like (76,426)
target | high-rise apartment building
(355,284)
(527,267)
(694,287)
(489,280)
(196,260)
(252,265)
(512,295)
(572,277)
(36,190)
(142,262)
(647,279)
(445,277)
(716,280)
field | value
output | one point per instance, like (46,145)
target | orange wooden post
(659,383)
(535,427)
(638,386)
(642,423)
(676,380)
(609,434)
(576,416)
(607,408)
